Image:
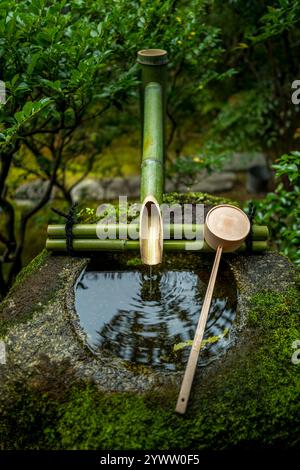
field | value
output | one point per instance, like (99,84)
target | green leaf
(210,340)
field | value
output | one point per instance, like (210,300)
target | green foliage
(289,165)
(55,54)
(279,18)
(252,109)
(280,210)
(187,168)
(69,70)
(71,79)
(87,215)
(21,118)
(83,53)
(244,120)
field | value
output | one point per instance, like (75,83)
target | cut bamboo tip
(151,232)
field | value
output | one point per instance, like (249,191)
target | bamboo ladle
(225,229)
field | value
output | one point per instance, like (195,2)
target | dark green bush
(280,210)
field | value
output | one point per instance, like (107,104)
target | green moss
(136,261)
(87,215)
(251,401)
(30,268)
(24,423)
(273,309)
(196,198)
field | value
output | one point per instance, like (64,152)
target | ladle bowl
(226,226)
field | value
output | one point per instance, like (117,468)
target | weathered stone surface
(216,182)
(89,189)
(242,161)
(42,320)
(258,178)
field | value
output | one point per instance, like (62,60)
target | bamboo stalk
(81,245)
(89,231)
(153,66)
(153,146)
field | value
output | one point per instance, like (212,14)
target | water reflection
(140,317)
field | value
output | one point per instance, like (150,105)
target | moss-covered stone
(88,215)
(53,396)
(9,305)
(30,268)
(35,285)
(197,198)
(251,400)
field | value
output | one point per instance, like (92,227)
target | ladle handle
(187,381)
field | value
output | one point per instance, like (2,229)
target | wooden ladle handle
(186,385)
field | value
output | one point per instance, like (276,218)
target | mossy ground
(252,402)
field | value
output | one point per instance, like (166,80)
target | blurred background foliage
(72,111)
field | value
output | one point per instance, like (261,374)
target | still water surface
(140,317)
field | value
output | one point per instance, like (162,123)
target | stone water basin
(140,316)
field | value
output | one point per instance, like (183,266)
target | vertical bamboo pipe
(152,160)
(153,109)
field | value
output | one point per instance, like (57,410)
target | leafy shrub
(280,210)
(186,168)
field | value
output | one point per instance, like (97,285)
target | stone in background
(98,189)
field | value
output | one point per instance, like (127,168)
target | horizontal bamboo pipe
(131,245)
(260,232)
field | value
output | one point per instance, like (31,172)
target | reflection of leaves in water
(127,336)
(210,340)
(130,336)
(145,329)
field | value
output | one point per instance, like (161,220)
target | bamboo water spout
(124,236)
(151,232)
